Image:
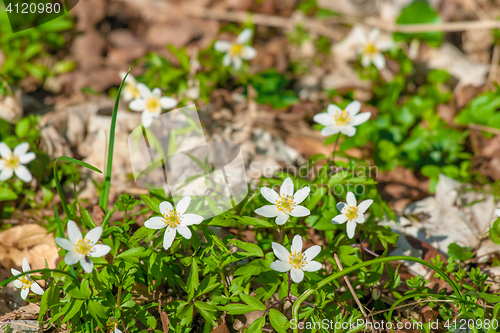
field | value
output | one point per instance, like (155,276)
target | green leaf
(250,248)
(193,280)
(6,194)
(73,310)
(237,309)
(97,310)
(140,234)
(458,252)
(23,128)
(151,202)
(279,322)
(420,12)
(252,302)
(133,252)
(256,326)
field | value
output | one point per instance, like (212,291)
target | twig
(346,279)
(478,127)
(495,59)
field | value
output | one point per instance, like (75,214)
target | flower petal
(94,235)
(384,45)
(330,130)
(280,252)
(5,150)
(6,174)
(339,219)
(353,108)
(269,194)
(296,244)
(23,173)
(237,63)
(497,212)
(363,206)
(348,130)
(74,233)
(311,252)
(281,266)
(287,187)
(156,92)
(155,222)
(190,219)
(373,35)
(249,53)
(168,102)
(312,266)
(226,61)
(185,232)
(72,258)
(165,207)
(65,243)
(222,45)
(333,109)
(351,199)
(183,205)
(351,229)
(268,211)
(26,265)
(24,293)
(299,211)
(21,149)
(324,119)
(18,284)
(281,218)
(168,238)
(144,90)
(365,61)
(297,275)
(99,250)
(359,35)
(137,105)
(340,206)
(379,61)
(87,264)
(26,158)
(244,36)
(301,194)
(35,287)
(14,271)
(361,118)
(147,118)
(360,219)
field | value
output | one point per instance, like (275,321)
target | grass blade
(103,200)
(58,182)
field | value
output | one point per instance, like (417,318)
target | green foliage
(273,89)
(484,110)
(420,12)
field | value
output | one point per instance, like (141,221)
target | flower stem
(332,161)
(224,282)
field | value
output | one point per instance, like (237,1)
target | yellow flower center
(153,104)
(132,90)
(296,259)
(111,324)
(26,282)
(352,213)
(12,162)
(172,219)
(370,49)
(83,247)
(342,118)
(285,204)
(236,50)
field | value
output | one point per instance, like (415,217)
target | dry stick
(346,279)
(495,58)
(478,127)
(324,30)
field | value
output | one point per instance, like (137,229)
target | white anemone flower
(81,248)
(236,51)
(129,91)
(150,103)
(285,204)
(352,213)
(174,220)
(12,162)
(25,282)
(112,326)
(344,121)
(371,48)
(296,262)
(497,212)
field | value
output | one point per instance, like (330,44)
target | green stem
(325,281)
(119,297)
(103,201)
(15,277)
(332,163)
(226,290)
